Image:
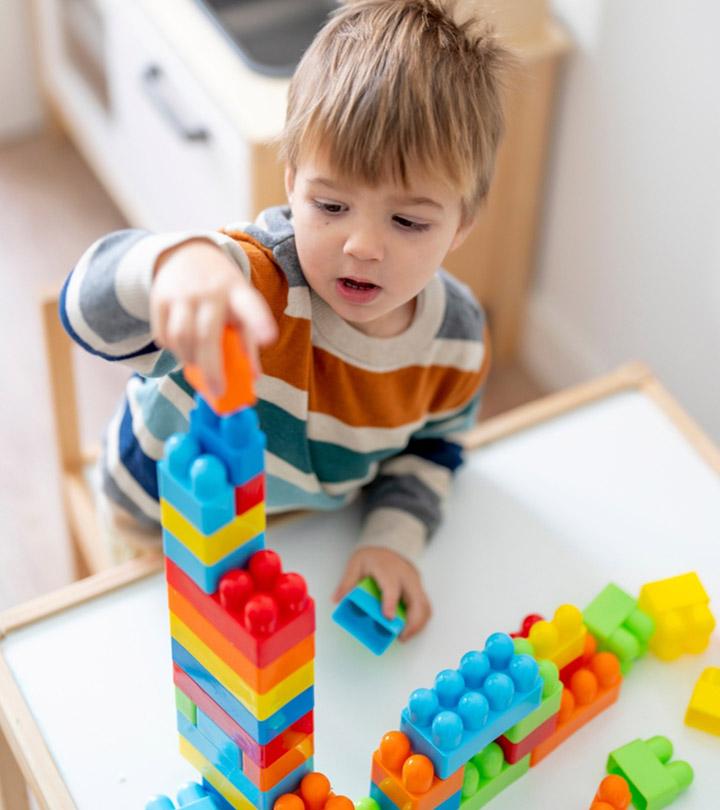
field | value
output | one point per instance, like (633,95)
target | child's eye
(409,224)
(329,207)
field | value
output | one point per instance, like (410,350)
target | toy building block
(703,711)
(409,779)
(527,623)
(261,705)
(618,625)
(560,640)
(590,691)
(469,707)
(613,794)
(550,699)
(250,494)
(259,679)
(487,774)
(195,484)
(191,796)
(581,661)
(653,780)
(514,752)
(366,803)
(260,610)
(236,439)
(314,793)
(360,613)
(237,373)
(683,621)
(185,705)
(262,755)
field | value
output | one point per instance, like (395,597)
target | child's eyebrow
(324,181)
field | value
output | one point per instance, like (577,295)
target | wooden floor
(51,209)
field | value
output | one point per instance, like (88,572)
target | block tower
(242,628)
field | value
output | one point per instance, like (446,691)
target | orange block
(591,690)
(266,778)
(260,679)
(314,794)
(613,794)
(408,779)
(238,374)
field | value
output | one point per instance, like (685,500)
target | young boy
(370,356)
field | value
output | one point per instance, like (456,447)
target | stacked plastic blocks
(242,628)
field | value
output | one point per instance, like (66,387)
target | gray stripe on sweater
(464,320)
(99,304)
(406,492)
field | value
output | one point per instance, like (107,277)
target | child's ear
(462,232)
(289,181)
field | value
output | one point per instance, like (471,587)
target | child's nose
(364,244)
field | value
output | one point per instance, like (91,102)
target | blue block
(262,731)
(204,576)
(262,799)
(387,804)
(236,439)
(470,707)
(225,751)
(360,613)
(196,484)
(191,796)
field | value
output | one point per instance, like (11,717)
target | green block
(186,706)
(368,584)
(618,625)
(654,781)
(551,696)
(487,774)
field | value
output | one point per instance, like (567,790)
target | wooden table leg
(13,790)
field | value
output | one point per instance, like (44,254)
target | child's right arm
(157,301)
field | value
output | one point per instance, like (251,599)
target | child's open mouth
(357,291)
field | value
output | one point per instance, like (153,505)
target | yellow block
(563,639)
(703,712)
(262,705)
(231,794)
(683,621)
(211,548)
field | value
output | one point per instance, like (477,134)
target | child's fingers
(390,588)
(208,352)
(251,311)
(181,331)
(349,579)
(418,614)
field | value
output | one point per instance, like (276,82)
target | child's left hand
(396,577)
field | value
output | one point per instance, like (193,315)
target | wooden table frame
(26,762)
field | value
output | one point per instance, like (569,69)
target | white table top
(610,491)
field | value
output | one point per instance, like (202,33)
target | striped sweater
(344,413)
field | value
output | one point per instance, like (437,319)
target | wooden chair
(91,550)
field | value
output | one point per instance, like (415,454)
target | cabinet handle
(155,83)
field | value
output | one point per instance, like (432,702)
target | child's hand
(397,578)
(197,291)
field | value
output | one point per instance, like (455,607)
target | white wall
(629,255)
(20,109)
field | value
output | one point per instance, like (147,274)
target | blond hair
(388,84)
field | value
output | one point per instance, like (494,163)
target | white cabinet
(167,154)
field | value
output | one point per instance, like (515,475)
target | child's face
(368,251)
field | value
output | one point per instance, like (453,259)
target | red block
(262,612)
(527,623)
(262,755)
(514,752)
(250,494)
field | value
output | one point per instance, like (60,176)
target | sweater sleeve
(105,301)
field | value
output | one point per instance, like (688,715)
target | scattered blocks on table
(613,794)
(487,774)
(191,796)
(590,691)
(469,707)
(515,751)
(703,711)
(581,661)
(560,640)
(408,779)
(527,623)
(237,373)
(550,698)
(654,780)
(618,625)
(679,608)
(314,793)
(360,613)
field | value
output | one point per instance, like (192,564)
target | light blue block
(360,613)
